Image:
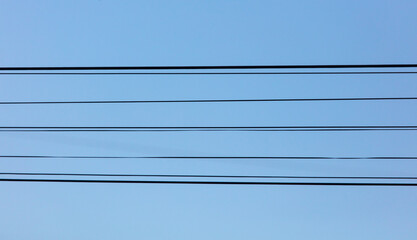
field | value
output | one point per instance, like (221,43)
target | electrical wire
(211,182)
(201,73)
(198,176)
(220,128)
(208,100)
(211,127)
(209,67)
(214,157)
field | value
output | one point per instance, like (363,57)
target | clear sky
(175,32)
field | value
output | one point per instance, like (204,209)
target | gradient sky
(108,33)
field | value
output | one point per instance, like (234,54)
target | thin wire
(196,73)
(211,157)
(211,100)
(196,176)
(214,130)
(211,182)
(210,67)
(212,127)
(209,129)
(203,129)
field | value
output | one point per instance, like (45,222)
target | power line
(211,127)
(212,157)
(197,176)
(209,100)
(210,182)
(220,128)
(212,130)
(333,66)
(199,73)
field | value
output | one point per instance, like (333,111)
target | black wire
(209,182)
(195,73)
(213,100)
(278,130)
(211,157)
(209,129)
(212,127)
(216,129)
(210,67)
(196,176)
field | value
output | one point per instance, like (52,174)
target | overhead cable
(212,128)
(201,176)
(204,73)
(214,157)
(332,66)
(209,100)
(211,182)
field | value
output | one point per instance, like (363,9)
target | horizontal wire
(212,67)
(198,73)
(209,182)
(215,130)
(205,129)
(211,157)
(211,127)
(196,176)
(211,100)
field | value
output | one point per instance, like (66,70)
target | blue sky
(108,33)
